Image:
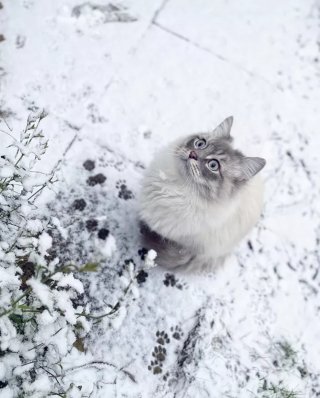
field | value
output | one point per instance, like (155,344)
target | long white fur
(210,229)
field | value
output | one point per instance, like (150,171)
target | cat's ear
(224,128)
(249,167)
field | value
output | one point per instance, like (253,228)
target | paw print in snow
(162,338)
(79,204)
(142,276)
(91,225)
(159,354)
(89,165)
(97,179)
(171,280)
(165,377)
(124,192)
(177,333)
(155,367)
(142,253)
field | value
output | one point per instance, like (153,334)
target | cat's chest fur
(173,210)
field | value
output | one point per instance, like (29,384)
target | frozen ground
(119,81)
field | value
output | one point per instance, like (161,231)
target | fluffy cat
(199,198)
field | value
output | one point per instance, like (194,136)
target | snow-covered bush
(40,320)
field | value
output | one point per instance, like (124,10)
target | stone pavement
(121,80)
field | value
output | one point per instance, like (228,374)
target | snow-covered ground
(122,79)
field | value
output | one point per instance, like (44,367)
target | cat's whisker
(196,174)
(173,153)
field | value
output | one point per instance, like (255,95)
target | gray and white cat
(199,198)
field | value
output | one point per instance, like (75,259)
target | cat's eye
(200,144)
(213,165)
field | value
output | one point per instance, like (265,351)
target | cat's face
(209,162)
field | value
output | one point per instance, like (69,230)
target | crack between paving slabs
(134,47)
(181,37)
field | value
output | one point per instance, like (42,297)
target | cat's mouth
(193,155)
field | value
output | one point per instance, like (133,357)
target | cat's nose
(193,155)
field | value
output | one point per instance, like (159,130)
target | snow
(25,209)
(6,172)
(152,254)
(69,280)
(120,81)
(6,392)
(30,182)
(125,282)
(7,277)
(10,362)
(3,370)
(45,318)
(150,259)
(42,291)
(55,221)
(117,319)
(8,333)
(44,243)
(41,384)
(34,226)
(19,370)
(64,304)
(107,248)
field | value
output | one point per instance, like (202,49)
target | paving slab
(274,41)
(59,55)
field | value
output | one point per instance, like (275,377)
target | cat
(199,198)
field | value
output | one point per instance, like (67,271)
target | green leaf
(24,307)
(90,267)
(67,270)
(39,268)
(17,320)
(265,385)
(43,114)
(78,326)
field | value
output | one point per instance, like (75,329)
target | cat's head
(209,162)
